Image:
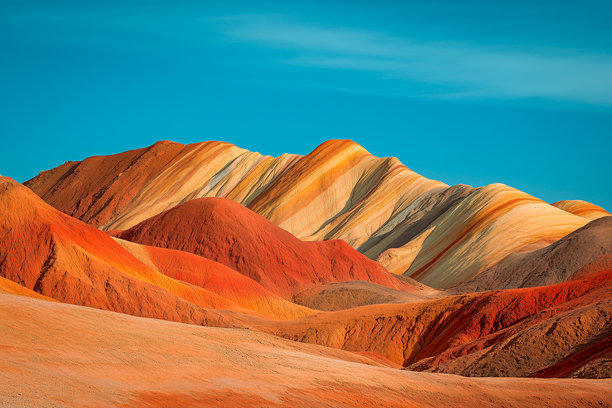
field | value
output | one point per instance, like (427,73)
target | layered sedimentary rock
(119,191)
(60,257)
(480,230)
(582,208)
(439,235)
(63,355)
(229,233)
(581,252)
(519,332)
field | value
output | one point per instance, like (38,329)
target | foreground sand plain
(59,355)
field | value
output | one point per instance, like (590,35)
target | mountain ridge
(412,225)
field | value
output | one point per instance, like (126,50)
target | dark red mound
(65,259)
(229,233)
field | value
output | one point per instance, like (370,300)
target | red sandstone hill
(229,233)
(241,262)
(63,258)
(439,235)
(559,330)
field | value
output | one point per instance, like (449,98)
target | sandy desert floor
(56,355)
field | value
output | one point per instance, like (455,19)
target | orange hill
(582,208)
(482,334)
(229,233)
(518,332)
(65,259)
(586,249)
(439,235)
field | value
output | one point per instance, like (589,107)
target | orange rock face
(582,208)
(588,249)
(332,279)
(59,257)
(486,334)
(439,235)
(229,233)
(212,253)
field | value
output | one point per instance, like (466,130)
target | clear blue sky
(473,92)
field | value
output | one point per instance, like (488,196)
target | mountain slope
(347,295)
(582,209)
(439,235)
(584,250)
(54,356)
(60,257)
(519,332)
(480,230)
(229,233)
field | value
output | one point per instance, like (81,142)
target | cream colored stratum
(582,209)
(440,236)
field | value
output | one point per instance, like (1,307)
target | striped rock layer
(582,208)
(549,331)
(436,234)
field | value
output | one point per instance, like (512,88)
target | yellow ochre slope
(423,228)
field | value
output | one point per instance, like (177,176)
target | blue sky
(473,92)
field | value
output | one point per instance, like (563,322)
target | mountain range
(332,279)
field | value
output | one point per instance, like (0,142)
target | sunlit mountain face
(320,205)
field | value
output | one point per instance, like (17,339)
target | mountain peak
(338,191)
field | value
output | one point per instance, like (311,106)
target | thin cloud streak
(457,70)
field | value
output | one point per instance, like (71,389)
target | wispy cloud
(456,70)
